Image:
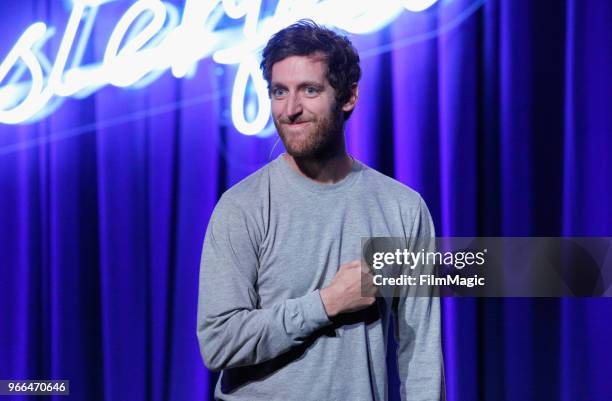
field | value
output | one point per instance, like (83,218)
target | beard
(320,139)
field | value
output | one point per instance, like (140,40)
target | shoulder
(389,189)
(249,194)
(241,210)
(400,200)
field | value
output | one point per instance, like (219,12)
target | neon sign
(152,37)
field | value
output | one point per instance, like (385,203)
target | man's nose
(293,107)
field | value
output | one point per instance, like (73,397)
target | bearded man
(285,309)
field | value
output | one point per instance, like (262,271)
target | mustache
(296,121)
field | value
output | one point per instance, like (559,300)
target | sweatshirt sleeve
(417,332)
(232,329)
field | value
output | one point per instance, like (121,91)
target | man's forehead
(312,67)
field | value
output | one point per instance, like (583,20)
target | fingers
(368,288)
(365,268)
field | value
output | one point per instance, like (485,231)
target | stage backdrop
(498,112)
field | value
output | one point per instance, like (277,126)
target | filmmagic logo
(429,280)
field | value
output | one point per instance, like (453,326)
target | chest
(305,245)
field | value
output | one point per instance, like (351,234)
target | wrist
(328,298)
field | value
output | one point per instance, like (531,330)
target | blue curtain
(498,112)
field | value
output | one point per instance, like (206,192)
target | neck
(325,171)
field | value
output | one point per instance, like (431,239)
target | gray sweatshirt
(274,240)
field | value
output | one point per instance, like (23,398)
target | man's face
(304,108)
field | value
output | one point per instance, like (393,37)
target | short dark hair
(305,38)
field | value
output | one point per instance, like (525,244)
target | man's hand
(344,293)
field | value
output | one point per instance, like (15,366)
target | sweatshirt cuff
(314,311)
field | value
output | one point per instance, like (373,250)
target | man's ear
(350,105)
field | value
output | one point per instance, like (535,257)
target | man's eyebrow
(300,85)
(310,83)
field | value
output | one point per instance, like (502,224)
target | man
(280,308)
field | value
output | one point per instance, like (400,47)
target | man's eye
(311,90)
(277,92)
